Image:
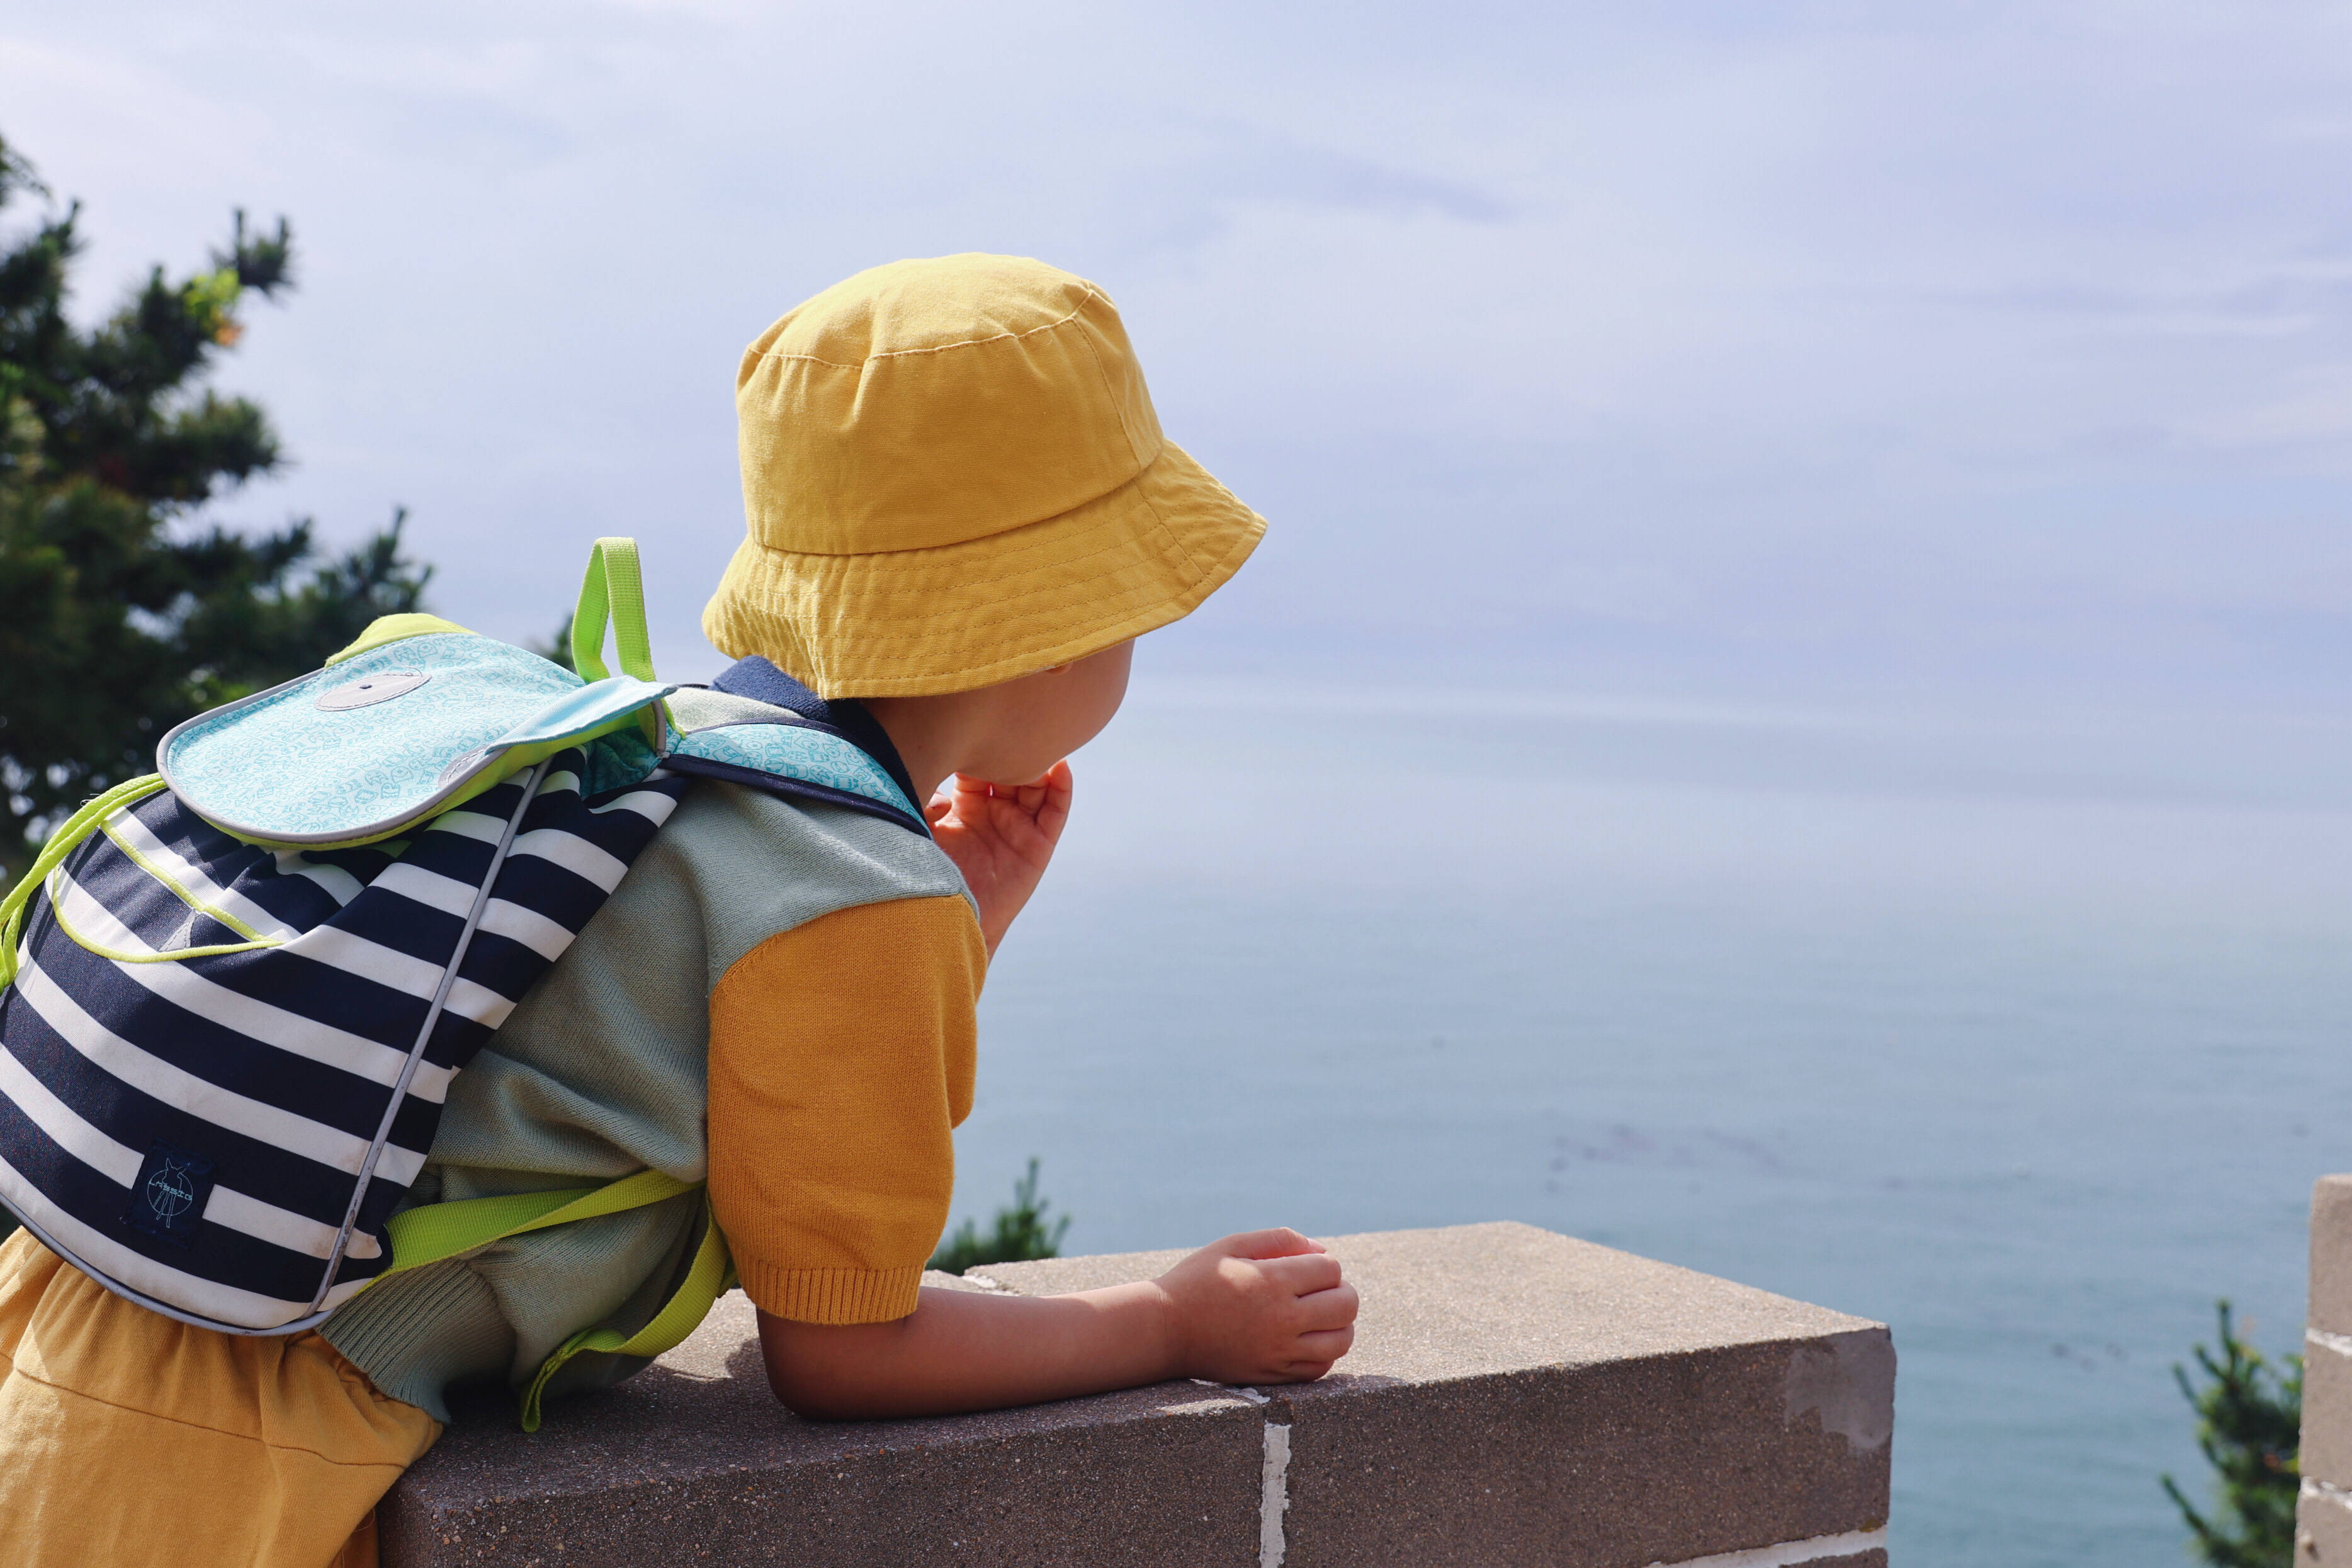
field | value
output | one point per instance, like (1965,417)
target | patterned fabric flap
(371,746)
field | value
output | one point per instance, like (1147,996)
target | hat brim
(955,617)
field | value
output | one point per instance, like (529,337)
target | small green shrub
(1020,1232)
(2249,1423)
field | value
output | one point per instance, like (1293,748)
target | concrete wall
(1514,1398)
(2323,1515)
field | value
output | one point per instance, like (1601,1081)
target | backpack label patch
(170,1193)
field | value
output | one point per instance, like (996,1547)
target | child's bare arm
(1264,1307)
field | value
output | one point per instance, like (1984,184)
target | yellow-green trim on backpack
(102,822)
(69,833)
(253,938)
(129,956)
(386,629)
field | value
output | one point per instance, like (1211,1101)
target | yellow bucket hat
(952,476)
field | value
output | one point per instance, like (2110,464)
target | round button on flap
(370,690)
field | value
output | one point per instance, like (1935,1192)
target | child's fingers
(1326,1345)
(1055,780)
(1280,1242)
(1024,799)
(1304,1273)
(1056,809)
(1327,1310)
(1020,830)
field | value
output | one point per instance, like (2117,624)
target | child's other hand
(1264,1307)
(1001,836)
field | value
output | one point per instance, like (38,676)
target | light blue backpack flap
(418,716)
(770,752)
(364,748)
(591,710)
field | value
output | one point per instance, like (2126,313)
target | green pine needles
(123,608)
(1021,1232)
(2249,1423)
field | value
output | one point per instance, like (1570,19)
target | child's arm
(1266,1307)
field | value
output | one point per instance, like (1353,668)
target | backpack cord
(425,1035)
(68,837)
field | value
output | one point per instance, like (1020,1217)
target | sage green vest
(603,1071)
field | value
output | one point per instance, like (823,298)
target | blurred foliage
(121,611)
(2249,1424)
(556,650)
(1019,1233)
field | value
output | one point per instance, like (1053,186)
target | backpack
(234,993)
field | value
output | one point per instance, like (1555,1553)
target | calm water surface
(2021,1035)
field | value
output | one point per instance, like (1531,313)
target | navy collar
(761,681)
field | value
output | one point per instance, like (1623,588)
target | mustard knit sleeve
(841,1057)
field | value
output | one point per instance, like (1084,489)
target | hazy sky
(1921,349)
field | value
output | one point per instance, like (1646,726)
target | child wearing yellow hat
(962,512)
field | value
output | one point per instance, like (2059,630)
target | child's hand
(1001,836)
(1265,1307)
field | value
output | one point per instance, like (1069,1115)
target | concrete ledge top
(1471,1301)
(704,1408)
(1514,1396)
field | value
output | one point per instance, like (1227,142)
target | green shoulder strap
(614,587)
(431,1232)
(710,1276)
(72,832)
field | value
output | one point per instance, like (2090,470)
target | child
(962,514)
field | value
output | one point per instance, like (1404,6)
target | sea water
(2023,1035)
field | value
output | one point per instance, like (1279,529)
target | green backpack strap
(710,1276)
(614,588)
(69,833)
(433,1231)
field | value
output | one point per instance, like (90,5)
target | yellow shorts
(129,1440)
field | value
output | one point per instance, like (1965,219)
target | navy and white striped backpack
(237,990)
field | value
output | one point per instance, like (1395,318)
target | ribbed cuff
(831,1296)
